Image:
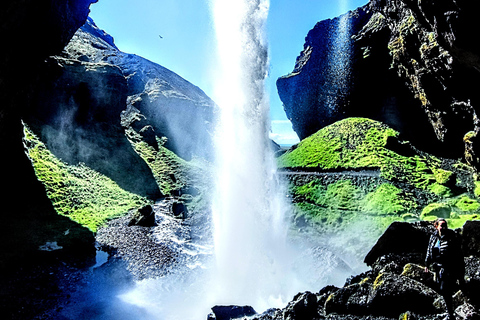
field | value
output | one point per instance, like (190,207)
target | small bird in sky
(160,36)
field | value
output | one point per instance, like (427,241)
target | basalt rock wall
(411,64)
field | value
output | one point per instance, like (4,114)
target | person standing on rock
(444,254)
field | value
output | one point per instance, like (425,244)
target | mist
(246,254)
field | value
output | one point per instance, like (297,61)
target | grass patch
(169,170)
(76,191)
(466,204)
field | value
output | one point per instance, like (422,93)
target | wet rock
(396,286)
(230,312)
(467,312)
(144,217)
(401,238)
(270,314)
(392,295)
(179,210)
(303,306)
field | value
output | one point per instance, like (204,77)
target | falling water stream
(252,261)
(252,257)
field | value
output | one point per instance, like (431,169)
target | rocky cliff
(25,221)
(93,106)
(409,64)
(96,101)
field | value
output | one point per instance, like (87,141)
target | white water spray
(253,263)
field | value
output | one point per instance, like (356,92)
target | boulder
(351,299)
(401,238)
(417,273)
(230,312)
(143,217)
(388,295)
(471,238)
(472,275)
(303,306)
(179,210)
(393,295)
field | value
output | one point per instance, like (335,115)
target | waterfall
(251,252)
(253,261)
(339,60)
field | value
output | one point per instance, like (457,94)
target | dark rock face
(471,238)
(26,227)
(161,100)
(414,240)
(412,65)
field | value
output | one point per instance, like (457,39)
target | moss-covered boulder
(436,210)
(393,295)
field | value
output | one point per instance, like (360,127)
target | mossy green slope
(76,191)
(188,180)
(360,143)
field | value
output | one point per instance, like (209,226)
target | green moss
(378,281)
(360,143)
(169,170)
(442,176)
(387,199)
(466,204)
(334,207)
(437,210)
(440,190)
(459,220)
(342,195)
(477,189)
(78,192)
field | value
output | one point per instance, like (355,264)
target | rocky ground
(55,288)
(396,286)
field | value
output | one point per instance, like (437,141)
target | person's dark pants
(447,284)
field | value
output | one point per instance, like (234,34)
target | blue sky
(179,35)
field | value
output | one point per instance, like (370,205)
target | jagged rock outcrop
(410,64)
